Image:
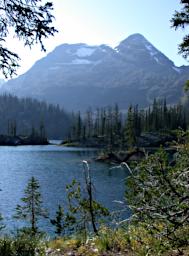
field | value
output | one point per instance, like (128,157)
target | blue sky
(109,22)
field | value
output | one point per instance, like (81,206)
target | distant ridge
(78,76)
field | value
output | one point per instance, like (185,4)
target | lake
(54,166)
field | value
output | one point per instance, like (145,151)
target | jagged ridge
(78,75)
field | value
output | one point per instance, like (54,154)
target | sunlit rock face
(78,76)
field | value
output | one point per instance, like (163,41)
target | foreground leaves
(158,195)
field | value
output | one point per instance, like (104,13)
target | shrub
(158,195)
(22,246)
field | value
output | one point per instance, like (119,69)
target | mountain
(2,81)
(77,76)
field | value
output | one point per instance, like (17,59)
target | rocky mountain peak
(134,38)
(73,55)
(79,75)
(137,48)
(134,41)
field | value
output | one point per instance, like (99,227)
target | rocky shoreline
(147,143)
(8,140)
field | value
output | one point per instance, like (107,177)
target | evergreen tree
(109,126)
(79,126)
(31,209)
(18,116)
(137,121)
(14,128)
(2,225)
(30,21)
(103,121)
(83,211)
(180,20)
(155,113)
(97,123)
(42,130)
(89,123)
(59,221)
(129,129)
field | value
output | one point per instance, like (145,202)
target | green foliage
(76,215)
(111,240)
(64,244)
(58,222)
(2,225)
(6,247)
(83,214)
(22,246)
(27,246)
(142,242)
(130,135)
(104,125)
(186,86)
(30,21)
(181,20)
(157,193)
(31,209)
(69,222)
(109,127)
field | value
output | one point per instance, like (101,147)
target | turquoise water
(54,166)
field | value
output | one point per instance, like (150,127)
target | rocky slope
(78,75)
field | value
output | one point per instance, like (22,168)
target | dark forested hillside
(28,115)
(111,127)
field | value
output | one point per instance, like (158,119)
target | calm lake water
(54,166)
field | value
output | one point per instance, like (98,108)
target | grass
(130,241)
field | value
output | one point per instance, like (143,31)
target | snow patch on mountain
(177,69)
(54,68)
(103,50)
(151,50)
(81,61)
(68,51)
(156,59)
(117,49)
(85,51)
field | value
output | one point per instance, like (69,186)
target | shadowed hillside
(28,115)
(77,76)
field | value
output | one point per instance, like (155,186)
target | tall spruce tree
(31,209)
(79,126)
(130,136)
(59,221)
